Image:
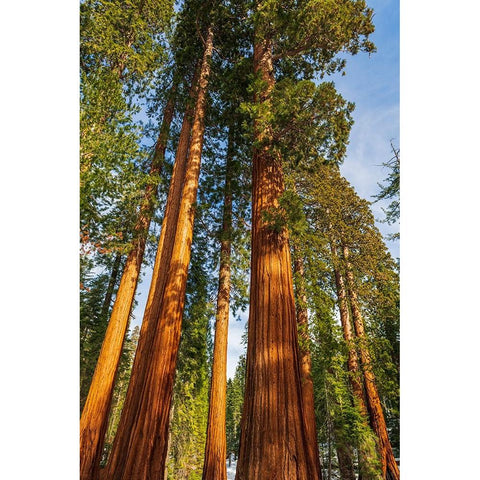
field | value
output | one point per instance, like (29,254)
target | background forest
(194,363)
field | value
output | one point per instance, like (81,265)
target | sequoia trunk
(377,420)
(215,466)
(117,457)
(273,440)
(306,367)
(345,460)
(368,461)
(147,440)
(94,419)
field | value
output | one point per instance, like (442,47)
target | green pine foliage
(391,191)
(235,394)
(190,401)
(133,55)
(120,389)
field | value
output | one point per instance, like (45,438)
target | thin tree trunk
(367,459)
(273,440)
(389,465)
(147,440)
(306,365)
(111,285)
(94,419)
(355,374)
(84,381)
(215,466)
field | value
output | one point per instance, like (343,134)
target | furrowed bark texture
(148,439)
(273,442)
(117,458)
(215,466)
(94,419)
(84,381)
(306,367)
(377,420)
(348,334)
(367,457)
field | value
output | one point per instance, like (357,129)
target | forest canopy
(212,137)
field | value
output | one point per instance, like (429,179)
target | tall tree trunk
(355,374)
(85,379)
(215,466)
(273,440)
(367,457)
(118,454)
(306,364)
(147,440)
(377,420)
(94,419)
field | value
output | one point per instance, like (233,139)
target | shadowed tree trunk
(111,285)
(215,466)
(344,456)
(306,365)
(147,440)
(367,458)
(273,440)
(94,419)
(377,420)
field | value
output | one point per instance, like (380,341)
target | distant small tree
(391,191)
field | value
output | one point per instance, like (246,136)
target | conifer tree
(279,447)
(346,223)
(94,417)
(391,190)
(216,444)
(147,450)
(190,398)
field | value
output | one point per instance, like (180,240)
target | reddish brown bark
(94,419)
(273,442)
(377,420)
(215,466)
(117,456)
(306,367)
(367,457)
(147,440)
(353,365)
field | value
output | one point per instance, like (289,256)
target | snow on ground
(231,470)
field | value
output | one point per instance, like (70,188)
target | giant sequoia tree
(237,84)
(145,425)
(274,441)
(359,263)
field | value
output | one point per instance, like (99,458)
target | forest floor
(231,470)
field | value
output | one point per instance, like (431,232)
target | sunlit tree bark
(148,437)
(273,441)
(215,466)
(377,420)
(94,419)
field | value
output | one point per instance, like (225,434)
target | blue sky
(440,170)
(372,83)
